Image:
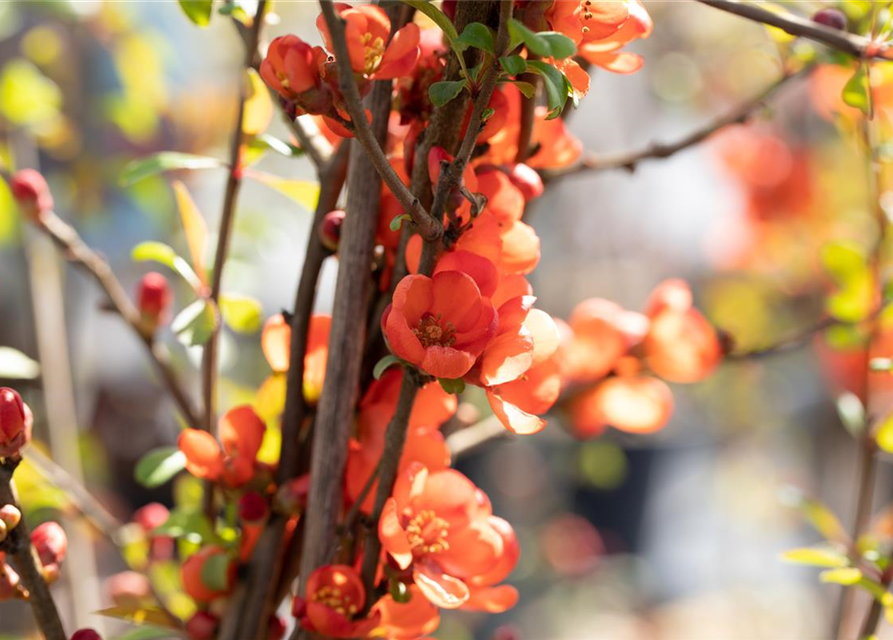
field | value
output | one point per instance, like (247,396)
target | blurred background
(675,535)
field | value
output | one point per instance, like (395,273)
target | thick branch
(804,27)
(227,217)
(78,253)
(28,564)
(656,151)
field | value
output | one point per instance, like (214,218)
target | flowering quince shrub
(332,486)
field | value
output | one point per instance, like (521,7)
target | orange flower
(408,620)
(276,344)
(588,20)
(241,434)
(439,524)
(367,31)
(486,594)
(681,346)
(440,324)
(636,404)
(605,52)
(335,595)
(603,332)
(193,575)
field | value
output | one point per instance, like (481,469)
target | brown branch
(528,111)
(78,253)
(227,217)
(429,228)
(788,343)
(252,607)
(804,27)
(27,563)
(657,151)
(464,441)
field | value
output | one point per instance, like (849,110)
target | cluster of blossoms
(469,319)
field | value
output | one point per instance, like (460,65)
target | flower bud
(151,516)
(51,544)
(276,628)
(154,299)
(85,634)
(527,180)
(31,192)
(330,229)
(202,626)
(4,531)
(832,18)
(9,581)
(15,423)
(253,507)
(10,516)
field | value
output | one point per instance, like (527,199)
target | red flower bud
(253,507)
(15,423)
(31,192)
(152,516)
(51,543)
(330,229)
(527,180)
(276,628)
(833,18)
(4,531)
(85,634)
(154,299)
(10,516)
(9,581)
(202,626)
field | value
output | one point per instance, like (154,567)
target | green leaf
(397,221)
(851,412)
(260,144)
(818,515)
(855,92)
(557,86)
(532,40)
(526,89)
(559,44)
(456,385)
(383,365)
(141,168)
(513,65)
(242,314)
(163,254)
(846,576)
(437,16)
(145,633)
(158,466)
(475,35)
(15,365)
(816,557)
(198,11)
(136,613)
(304,192)
(847,265)
(442,92)
(187,523)
(215,572)
(195,324)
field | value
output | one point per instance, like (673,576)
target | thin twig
(27,563)
(804,27)
(629,160)
(466,440)
(316,147)
(227,217)
(78,253)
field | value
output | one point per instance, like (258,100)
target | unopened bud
(85,634)
(330,229)
(15,423)
(253,507)
(830,17)
(154,299)
(10,516)
(129,589)
(9,581)
(527,180)
(152,516)
(31,192)
(4,531)
(51,543)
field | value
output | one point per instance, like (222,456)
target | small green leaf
(242,314)
(855,92)
(846,576)
(848,266)
(818,515)
(557,86)
(475,35)
(513,65)
(383,365)
(215,572)
(195,324)
(442,92)
(141,168)
(199,11)
(456,385)
(399,591)
(158,466)
(816,557)
(15,365)
(437,16)
(526,89)
(546,44)
(560,45)
(163,254)
(397,221)
(260,144)
(186,523)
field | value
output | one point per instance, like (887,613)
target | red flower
(294,70)
(15,423)
(335,595)
(31,192)
(276,344)
(241,434)
(439,524)
(440,324)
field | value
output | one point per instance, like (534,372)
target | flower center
(431,332)
(374,50)
(334,599)
(587,14)
(427,533)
